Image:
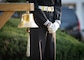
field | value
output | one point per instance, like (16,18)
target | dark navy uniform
(41,41)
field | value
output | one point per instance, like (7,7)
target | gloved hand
(47,23)
(52,28)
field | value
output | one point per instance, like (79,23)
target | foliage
(13,42)
(69,48)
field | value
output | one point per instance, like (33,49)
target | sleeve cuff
(46,23)
(58,21)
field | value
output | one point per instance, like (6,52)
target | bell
(27,20)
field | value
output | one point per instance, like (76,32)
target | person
(47,15)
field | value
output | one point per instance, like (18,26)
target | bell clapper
(28,43)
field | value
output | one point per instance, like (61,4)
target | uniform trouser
(42,45)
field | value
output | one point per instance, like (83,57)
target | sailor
(47,15)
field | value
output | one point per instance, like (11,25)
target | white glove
(52,28)
(47,23)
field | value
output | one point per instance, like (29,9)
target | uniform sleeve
(38,12)
(57,12)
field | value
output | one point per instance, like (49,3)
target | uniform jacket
(40,16)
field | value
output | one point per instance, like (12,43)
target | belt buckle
(50,9)
(42,8)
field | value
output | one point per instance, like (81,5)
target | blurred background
(73,18)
